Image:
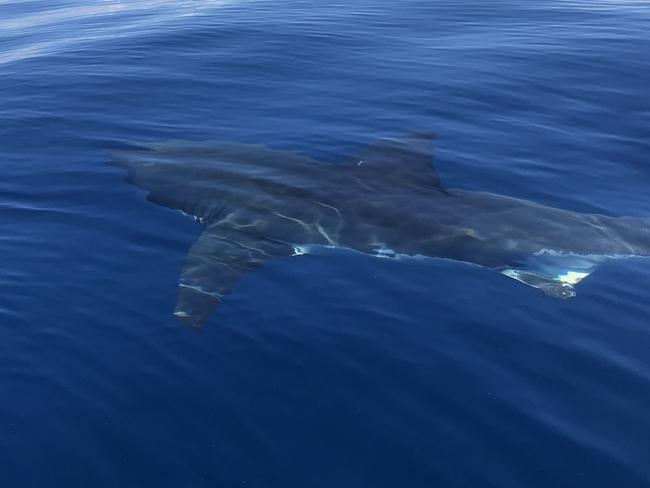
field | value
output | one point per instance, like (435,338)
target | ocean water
(327,371)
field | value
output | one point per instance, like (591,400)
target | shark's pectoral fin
(212,267)
(561,286)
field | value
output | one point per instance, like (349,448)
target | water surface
(329,371)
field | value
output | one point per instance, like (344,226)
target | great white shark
(387,200)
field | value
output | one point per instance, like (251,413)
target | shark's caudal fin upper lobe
(202,179)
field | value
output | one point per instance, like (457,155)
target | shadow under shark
(259,204)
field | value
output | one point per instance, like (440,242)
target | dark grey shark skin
(259,204)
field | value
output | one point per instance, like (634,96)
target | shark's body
(258,204)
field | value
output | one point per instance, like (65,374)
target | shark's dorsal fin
(216,261)
(405,160)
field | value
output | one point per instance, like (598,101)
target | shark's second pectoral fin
(212,267)
(561,286)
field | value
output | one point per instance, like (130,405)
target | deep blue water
(326,371)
